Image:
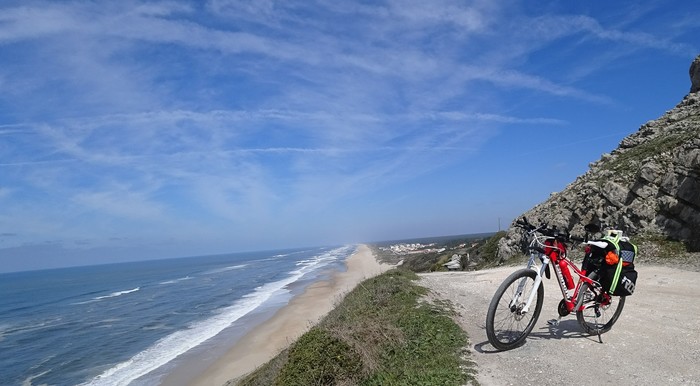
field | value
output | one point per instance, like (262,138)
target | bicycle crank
(563,311)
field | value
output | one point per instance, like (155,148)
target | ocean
(133,323)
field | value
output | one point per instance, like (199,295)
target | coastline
(266,340)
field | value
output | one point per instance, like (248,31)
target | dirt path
(655,341)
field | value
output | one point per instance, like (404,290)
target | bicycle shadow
(565,329)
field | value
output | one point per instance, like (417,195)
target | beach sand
(266,340)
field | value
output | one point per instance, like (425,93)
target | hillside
(464,252)
(649,186)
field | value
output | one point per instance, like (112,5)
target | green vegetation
(319,358)
(490,249)
(437,251)
(383,333)
(424,262)
(662,247)
(627,163)
(442,259)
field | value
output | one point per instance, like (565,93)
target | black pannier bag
(624,269)
(626,282)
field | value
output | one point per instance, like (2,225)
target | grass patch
(319,358)
(490,248)
(489,251)
(627,163)
(382,333)
(662,247)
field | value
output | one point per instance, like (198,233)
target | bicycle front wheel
(507,322)
(597,312)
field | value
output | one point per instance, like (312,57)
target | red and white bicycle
(517,303)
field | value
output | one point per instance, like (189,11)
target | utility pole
(499,224)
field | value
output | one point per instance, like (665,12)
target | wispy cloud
(131,114)
(122,202)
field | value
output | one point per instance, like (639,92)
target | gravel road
(655,341)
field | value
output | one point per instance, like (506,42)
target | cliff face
(650,184)
(695,75)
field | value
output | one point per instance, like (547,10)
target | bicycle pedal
(553,322)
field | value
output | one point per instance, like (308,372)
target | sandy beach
(291,321)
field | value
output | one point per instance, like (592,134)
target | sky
(136,130)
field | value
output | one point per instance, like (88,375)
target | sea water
(128,323)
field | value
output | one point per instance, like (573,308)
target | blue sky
(134,130)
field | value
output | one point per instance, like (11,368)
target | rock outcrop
(649,185)
(695,75)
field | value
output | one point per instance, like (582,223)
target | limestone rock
(649,184)
(695,75)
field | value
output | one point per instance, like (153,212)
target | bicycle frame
(562,270)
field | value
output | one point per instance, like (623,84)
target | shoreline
(265,341)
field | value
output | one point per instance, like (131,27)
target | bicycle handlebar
(546,230)
(561,235)
(524,224)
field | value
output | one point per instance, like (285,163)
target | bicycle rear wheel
(597,312)
(507,325)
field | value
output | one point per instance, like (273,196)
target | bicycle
(517,303)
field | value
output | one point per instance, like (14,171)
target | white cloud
(31,22)
(240,111)
(121,202)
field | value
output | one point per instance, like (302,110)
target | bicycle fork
(521,286)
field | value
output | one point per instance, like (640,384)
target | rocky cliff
(649,185)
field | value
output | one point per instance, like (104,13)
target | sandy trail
(655,341)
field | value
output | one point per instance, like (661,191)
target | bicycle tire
(594,317)
(506,326)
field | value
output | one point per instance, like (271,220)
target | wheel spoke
(599,311)
(506,324)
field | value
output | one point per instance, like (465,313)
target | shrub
(382,333)
(318,358)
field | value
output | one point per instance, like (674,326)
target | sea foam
(177,343)
(118,293)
